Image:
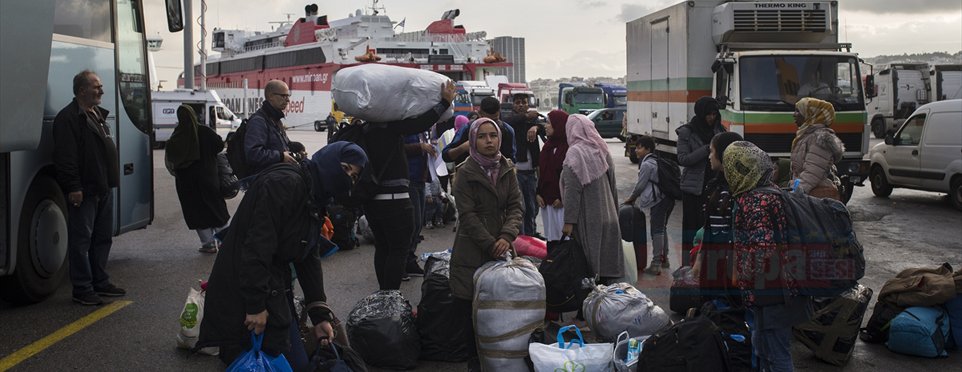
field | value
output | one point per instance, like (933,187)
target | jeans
(392,222)
(416,190)
(89,236)
(773,348)
(528,183)
(659,226)
(692,219)
(207,235)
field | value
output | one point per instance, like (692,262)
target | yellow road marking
(40,345)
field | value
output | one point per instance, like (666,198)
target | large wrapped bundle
(509,304)
(382,93)
(382,330)
(620,307)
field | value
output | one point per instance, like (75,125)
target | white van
(924,154)
(206,104)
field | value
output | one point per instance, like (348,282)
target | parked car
(608,121)
(925,153)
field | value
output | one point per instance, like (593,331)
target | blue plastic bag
(255,360)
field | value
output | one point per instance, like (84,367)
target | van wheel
(41,245)
(880,185)
(878,128)
(955,192)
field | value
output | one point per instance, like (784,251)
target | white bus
(44,44)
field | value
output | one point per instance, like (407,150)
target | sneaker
(208,248)
(110,290)
(653,269)
(414,270)
(88,299)
(429,226)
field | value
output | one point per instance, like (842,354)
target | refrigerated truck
(757,58)
(900,88)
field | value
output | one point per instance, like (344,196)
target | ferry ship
(307,52)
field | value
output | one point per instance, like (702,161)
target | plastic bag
(575,356)
(620,307)
(381,93)
(508,305)
(190,318)
(382,330)
(255,360)
(441,331)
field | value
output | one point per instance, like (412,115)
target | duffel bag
(920,331)
(691,345)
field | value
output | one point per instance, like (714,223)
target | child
(646,195)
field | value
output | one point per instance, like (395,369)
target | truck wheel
(878,128)
(317,126)
(880,185)
(41,246)
(632,156)
(955,192)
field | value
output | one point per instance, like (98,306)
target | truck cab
(899,89)
(615,95)
(578,98)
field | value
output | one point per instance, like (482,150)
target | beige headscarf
(814,111)
(746,167)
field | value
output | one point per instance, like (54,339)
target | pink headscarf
(490,164)
(587,152)
(459,122)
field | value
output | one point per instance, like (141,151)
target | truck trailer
(757,58)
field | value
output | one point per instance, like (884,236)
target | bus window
(88,19)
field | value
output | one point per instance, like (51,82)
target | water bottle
(634,349)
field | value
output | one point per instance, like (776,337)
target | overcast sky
(573,37)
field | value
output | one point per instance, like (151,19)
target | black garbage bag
(441,330)
(382,329)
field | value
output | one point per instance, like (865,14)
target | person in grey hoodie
(647,195)
(694,139)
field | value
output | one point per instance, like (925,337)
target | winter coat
(84,155)
(271,229)
(485,214)
(593,209)
(646,194)
(198,185)
(384,145)
(814,155)
(265,141)
(693,156)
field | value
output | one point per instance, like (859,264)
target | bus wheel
(41,245)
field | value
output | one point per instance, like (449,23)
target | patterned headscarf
(490,164)
(814,111)
(746,167)
(587,151)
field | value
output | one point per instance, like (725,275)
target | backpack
(735,332)
(876,331)
(691,345)
(669,177)
(920,331)
(833,329)
(235,150)
(563,271)
(825,256)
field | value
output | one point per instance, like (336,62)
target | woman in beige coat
(815,149)
(489,216)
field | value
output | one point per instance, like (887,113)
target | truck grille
(780,20)
(782,143)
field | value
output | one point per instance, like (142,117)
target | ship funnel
(451,14)
(310,10)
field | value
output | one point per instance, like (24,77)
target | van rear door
(941,145)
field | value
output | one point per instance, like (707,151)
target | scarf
(587,152)
(459,122)
(183,146)
(329,177)
(814,111)
(553,156)
(490,164)
(746,167)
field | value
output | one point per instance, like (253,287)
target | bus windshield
(775,83)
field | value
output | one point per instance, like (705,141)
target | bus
(44,44)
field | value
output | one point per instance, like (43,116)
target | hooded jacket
(814,155)
(693,149)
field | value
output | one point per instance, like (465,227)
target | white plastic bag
(190,317)
(381,93)
(575,356)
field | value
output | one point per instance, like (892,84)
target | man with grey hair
(265,142)
(85,159)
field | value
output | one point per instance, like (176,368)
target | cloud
(584,63)
(633,11)
(901,6)
(594,4)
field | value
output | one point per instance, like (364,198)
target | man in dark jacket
(390,212)
(457,150)
(694,139)
(266,143)
(86,161)
(526,131)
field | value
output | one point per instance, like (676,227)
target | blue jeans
(528,183)
(773,348)
(89,236)
(659,226)
(416,190)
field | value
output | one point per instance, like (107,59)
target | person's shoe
(665,264)
(414,270)
(208,248)
(110,290)
(88,299)
(429,226)
(653,269)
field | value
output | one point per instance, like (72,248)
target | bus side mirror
(722,102)
(870,87)
(175,16)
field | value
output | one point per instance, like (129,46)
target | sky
(567,38)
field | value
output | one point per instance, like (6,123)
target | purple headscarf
(459,122)
(490,164)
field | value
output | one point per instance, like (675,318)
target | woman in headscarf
(693,141)
(277,226)
(489,208)
(760,248)
(191,156)
(549,174)
(816,149)
(716,246)
(590,199)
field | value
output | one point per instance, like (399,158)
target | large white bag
(620,307)
(575,356)
(382,93)
(508,305)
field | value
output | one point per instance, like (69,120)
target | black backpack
(730,320)
(691,345)
(876,331)
(669,177)
(563,270)
(828,257)
(235,150)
